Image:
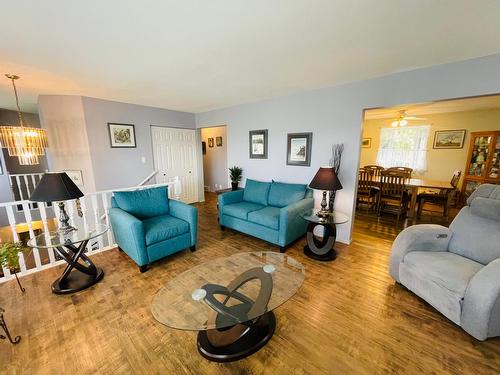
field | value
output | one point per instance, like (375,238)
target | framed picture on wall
(449,139)
(366,143)
(76,176)
(210,142)
(299,149)
(121,135)
(218,141)
(258,144)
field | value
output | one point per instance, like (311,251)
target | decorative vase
(234,186)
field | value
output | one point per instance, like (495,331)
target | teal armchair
(148,226)
(271,211)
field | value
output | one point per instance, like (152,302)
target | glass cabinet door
(479,157)
(495,159)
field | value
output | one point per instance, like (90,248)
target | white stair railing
(28,223)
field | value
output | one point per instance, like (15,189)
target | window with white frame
(404,147)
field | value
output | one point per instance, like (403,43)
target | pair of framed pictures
(218,142)
(298,147)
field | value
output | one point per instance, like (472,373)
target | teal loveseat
(148,226)
(270,211)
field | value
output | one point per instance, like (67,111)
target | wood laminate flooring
(349,317)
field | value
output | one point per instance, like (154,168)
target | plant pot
(234,186)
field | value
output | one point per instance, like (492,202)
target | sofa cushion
(143,203)
(440,278)
(160,228)
(282,194)
(268,216)
(447,269)
(256,192)
(241,209)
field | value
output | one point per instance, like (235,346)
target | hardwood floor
(348,318)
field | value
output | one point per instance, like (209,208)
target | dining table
(414,184)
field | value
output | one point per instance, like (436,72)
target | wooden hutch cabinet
(483,161)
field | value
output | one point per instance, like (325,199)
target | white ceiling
(199,55)
(431,108)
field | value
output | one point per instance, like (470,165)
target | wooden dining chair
(375,169)
(367,192)
(404,170)
(440,197)
(393,196)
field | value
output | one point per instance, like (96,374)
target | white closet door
(174,152)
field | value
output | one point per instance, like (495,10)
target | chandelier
(25,143)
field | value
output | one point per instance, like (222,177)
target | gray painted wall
(114,167)
(335,115)
(215,170)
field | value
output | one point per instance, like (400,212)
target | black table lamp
(325,179)
(57,187)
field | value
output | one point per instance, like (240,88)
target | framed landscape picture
(449,139)
(299,149)
(121,135)
(366,143)
(258,144)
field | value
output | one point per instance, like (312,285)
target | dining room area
(419,162)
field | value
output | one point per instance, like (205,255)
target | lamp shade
(325,179)
(54,187)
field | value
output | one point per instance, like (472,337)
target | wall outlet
(143,159)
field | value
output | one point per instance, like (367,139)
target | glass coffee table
(80,273)
(230,301)
(322,248)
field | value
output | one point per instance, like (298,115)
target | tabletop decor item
(322,248)
(258,144)
(299,149)
(235,174)
(57,187)
(237,325)
(337,150)
(9,258)
(121,135)
(326,180)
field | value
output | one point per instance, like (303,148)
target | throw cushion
(268,216)
(256,192)
(162,228)
(143,203)
(282,194)
(241,209)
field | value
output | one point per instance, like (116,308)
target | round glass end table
(322,248)
(230,302)
(81,272)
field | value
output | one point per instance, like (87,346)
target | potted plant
(9,258)
(235,176)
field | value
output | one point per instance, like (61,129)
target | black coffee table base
(80,273)
(254,338)
(327,257)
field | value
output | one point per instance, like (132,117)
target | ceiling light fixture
(402,119)
(26,143)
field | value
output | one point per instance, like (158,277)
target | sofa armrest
(481,305)
(422,237)
(292,225)
(187,213)
(230,197)
(129,234)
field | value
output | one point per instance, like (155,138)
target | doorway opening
(420,162)
(214,153)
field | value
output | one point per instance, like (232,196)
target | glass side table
(322,248)
(80,273)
